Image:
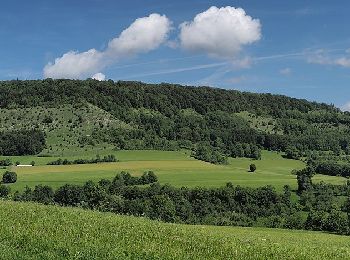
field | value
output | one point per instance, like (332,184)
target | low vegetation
(98,159)
(9,177)
(318,208)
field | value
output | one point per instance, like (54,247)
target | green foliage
(134,115)
(21,142)
(252,167)
(98,159)
(4,191)
(5,162)
(332,168)
(216,206)
(209,154)
(304,179)
(9,177)
(334,221)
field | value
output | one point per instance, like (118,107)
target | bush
(252,167)
(4,191)
(5,162)
(43,194)
(9,177)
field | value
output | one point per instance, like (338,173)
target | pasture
(174,167)
(32,231)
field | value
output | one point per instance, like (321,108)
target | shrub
(5,162)
(4,191)
(252,167)
(9,177)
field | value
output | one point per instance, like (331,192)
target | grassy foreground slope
(32,231)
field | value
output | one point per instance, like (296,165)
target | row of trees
(332,168)
(229,205)
(98,159)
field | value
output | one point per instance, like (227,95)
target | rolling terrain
(200,143)
(173,167)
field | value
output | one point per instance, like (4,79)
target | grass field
(71,233)
(176,168)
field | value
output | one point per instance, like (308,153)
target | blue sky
(296,48)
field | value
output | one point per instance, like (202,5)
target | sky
(295,48)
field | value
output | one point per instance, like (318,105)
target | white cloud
(343,61)
(285,71)
(323,58)
(220,32)
(99,76)
(346,107)
(143,35)
(74,65)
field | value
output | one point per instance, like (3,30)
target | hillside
(67,233)
(214,123)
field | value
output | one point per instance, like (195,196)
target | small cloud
(285,71)
(220,32)
(343,61)
(346,107)
(99,76)
(322,57)
(143,35)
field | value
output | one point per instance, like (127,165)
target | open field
(71,233)
(176,168)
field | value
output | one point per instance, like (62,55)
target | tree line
(319,206)
(21,142)
(98,159)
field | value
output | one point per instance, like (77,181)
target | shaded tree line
(332,168)
(98,159)
(21,142)
(317,209)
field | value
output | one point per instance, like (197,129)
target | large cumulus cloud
(220,32)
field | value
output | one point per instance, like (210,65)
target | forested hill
(166,98)
(212,122)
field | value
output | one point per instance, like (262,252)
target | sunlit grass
(32,231)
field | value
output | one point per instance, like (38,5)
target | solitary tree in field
(252,167)
(9,177)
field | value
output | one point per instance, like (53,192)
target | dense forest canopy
(161,97)
(169,117)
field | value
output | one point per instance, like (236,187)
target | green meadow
(174,167)
(32,231)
